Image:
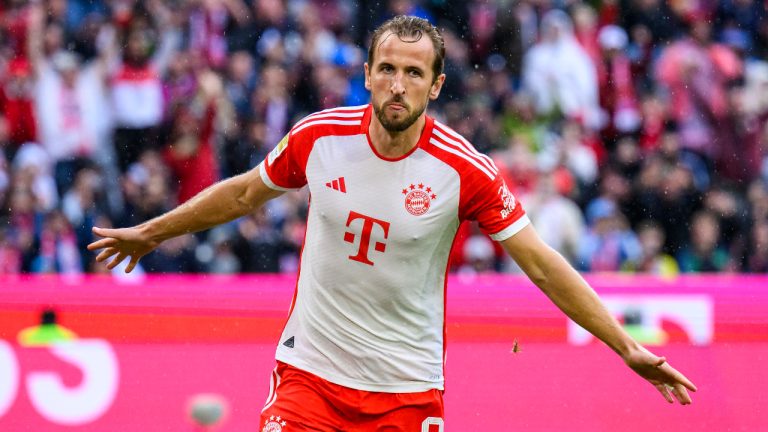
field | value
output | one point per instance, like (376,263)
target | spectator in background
(174,256)
(25,221)
(240,82)
(10,255)
(617,91)
(17,106)
(674,154)
(573,150)
(179,82)
(259,244)
(743,129)
(71,106)
(191,152)
(136,88)
(757,252)
(33,169)
(757,198)
(555,216)
(146,186)
(457,64)
(640,51)
(742,17)
(627,158)
(616,188)
(271,101)
(208,22)
(248,149)
(585,29)
(224,260)
(559,74)
(83,203)
(517,164)
(652,260)
(703,253)
(654,116)
(609,242)
(655,15)
(520,122)
(695,72)
(57,248)
(478,255)
(666,193)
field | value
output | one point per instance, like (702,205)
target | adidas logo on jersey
(289,342)
(338,185)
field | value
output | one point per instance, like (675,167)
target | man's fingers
(665,392)
(685,381)
(678,377)
(103,232)
(681,394)
(102,243)
(118,259)
(106,253)
(132,264)
(660,361)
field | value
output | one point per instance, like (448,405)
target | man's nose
(396,86)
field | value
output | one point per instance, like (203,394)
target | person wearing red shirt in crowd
(17,105)
(190,152)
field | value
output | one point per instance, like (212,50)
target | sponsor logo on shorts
(273,424)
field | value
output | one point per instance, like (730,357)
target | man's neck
(395,144)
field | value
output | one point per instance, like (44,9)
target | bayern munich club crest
(418,198)
(273,424)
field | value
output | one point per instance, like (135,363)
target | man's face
(401,81)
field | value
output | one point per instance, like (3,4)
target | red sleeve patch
(286,164)
(491,204)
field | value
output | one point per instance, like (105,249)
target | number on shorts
(432,421)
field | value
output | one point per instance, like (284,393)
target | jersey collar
(423,139)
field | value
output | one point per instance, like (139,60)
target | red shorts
(301,401)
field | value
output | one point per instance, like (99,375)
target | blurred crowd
(633,131)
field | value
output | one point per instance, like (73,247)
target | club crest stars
(274,424)
(418,198)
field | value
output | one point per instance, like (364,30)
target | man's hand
(122,243)
(667,380)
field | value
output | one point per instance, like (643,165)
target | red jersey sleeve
(284,168)
(493,206)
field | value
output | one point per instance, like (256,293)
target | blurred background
(634,132)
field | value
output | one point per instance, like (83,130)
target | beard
(397,124)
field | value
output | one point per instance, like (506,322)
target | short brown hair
(411,29)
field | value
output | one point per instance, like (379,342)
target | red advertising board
(146,346)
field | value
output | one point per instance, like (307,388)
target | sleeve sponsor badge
(282,145)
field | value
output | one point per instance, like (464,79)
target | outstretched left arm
(571,293)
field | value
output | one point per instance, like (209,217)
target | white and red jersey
(369,308)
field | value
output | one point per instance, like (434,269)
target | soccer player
(363,348)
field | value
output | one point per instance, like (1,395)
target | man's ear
(434,92)
(367,76)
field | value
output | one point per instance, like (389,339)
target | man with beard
(363,348)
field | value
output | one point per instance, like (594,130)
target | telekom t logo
(365,236)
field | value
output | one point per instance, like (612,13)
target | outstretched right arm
(220,203)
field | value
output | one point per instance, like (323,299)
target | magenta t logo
(365,236)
